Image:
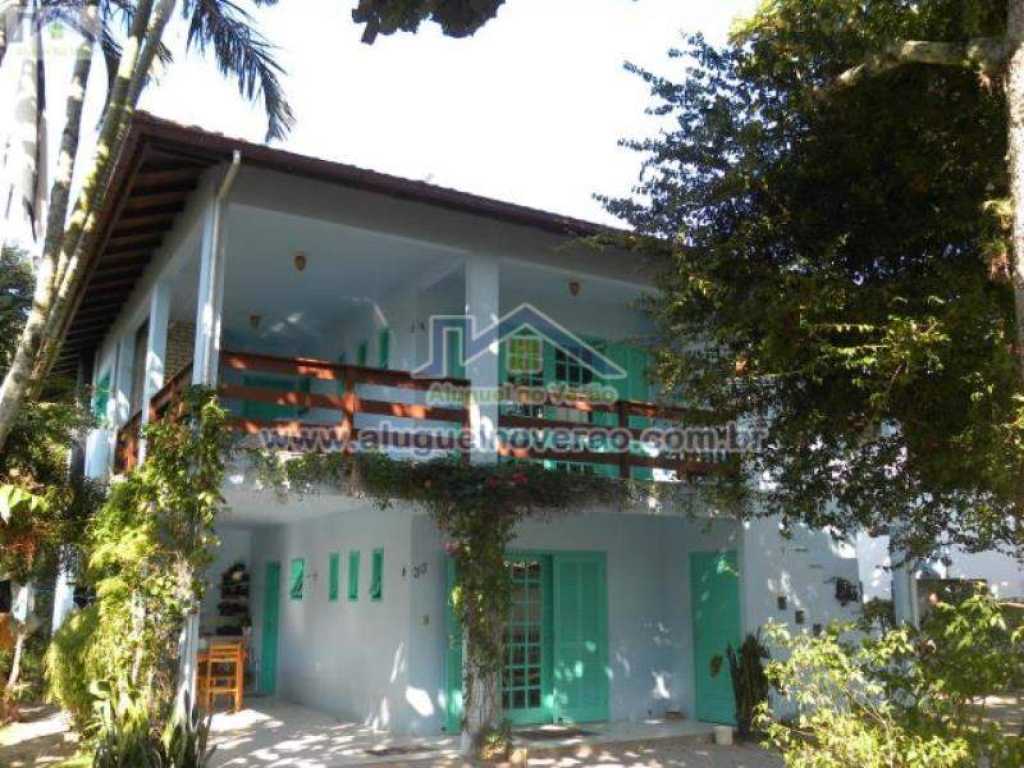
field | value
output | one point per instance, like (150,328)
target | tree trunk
(70,270)
(1015,127)
(61,191)
(481,696)
(58,274)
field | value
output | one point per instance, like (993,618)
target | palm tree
(219,26)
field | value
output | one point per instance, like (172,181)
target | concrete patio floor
(276,734)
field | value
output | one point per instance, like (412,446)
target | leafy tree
(907,698)
(837,257)
(238,50)
(43,512)
(457,18)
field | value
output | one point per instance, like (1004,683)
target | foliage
(31,682)
(15,299)
(149,545)
(477,507)
(878,614)
(73,659)
(457,18)
(127,736)
(750,685)
(906,699)
(844,260)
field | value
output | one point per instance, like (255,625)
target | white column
(63,594)
(205,362)
(206,357)
(122,383)
(483,276)
(904,591)
(156,350)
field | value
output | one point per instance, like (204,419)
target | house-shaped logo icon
(455,335)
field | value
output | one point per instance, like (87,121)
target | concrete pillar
(122,384)
(156,350)
(63,594)
(205,364)
(483,275)
(206,355)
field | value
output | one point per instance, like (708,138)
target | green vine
(477,507)
(148,546)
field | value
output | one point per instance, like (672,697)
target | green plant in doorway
(750,686)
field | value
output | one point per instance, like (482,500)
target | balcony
(300,404)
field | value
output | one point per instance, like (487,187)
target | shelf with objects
(225,648)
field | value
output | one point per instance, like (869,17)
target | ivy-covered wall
(383,662)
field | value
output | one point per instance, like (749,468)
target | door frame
(549,711)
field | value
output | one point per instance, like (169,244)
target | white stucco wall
(345,658)
(1004,574)
(803,568)
(383,663)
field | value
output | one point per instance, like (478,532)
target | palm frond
(243,53)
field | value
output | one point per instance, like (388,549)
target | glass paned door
(526,690)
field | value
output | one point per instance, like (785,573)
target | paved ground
(280,735)
(41,739)
(275,734)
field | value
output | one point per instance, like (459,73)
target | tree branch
(987,55)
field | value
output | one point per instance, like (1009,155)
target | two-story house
(308,292)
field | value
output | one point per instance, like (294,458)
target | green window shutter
(455,348)
(353,575)
(453,655)
(334,568)
(377,575)
(384,349)
(298,577)
(581,636)
(363,353)
(101,398)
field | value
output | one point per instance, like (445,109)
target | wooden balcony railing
(126,452)
(338,407)
(129,437)
(622,413)
(338,411)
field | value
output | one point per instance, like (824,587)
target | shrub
(128,738)
(69,666)
(749,682)
(906,699)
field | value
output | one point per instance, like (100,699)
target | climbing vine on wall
(148,546)
(477,508)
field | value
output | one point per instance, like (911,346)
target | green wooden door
(715,607)
(526,695)
(453,656)
(268,646)
(581,636)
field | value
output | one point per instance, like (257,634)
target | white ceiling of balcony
(349,270)
(345,268)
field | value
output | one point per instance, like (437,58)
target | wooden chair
(221,673)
